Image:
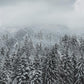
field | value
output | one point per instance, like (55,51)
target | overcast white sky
(35,12)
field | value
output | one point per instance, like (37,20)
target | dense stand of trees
(27,63)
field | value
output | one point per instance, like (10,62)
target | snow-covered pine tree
(51,68)
(67,64)
(36,72)
(7,67)
(80,73)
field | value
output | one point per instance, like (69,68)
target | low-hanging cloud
(59,2)
(19,12)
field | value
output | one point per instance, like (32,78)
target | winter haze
(69,13)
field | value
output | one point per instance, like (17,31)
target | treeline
(27,63)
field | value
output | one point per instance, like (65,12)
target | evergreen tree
(51,68)
(80,73)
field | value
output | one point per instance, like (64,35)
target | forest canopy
(28,57)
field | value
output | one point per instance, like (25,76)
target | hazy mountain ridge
(45,34)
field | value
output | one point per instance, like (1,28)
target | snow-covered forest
(30,57)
